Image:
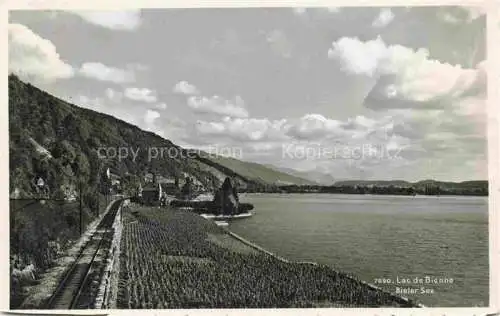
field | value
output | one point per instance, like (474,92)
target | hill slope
(58,141)
(315,176)
(260,173)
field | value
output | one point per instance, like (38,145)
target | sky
(357,93)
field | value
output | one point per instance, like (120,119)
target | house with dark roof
(170,188)
(151,193)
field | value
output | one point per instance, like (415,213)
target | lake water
(382,237)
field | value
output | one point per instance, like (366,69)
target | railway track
(70,294)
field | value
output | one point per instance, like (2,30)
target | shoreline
(371,194)
(314,284)
(241,239)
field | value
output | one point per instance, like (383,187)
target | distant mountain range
(261,173)
(326,179)
(422,183)
(316,177)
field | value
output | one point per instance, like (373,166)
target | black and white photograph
(248,158)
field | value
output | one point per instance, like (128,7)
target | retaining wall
(106,296)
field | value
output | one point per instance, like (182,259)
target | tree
(104,183)
(187,189)
(81,166)
(64,151)
(91,200)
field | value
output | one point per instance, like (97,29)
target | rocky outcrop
(187,189)
(225,202)
(226,199)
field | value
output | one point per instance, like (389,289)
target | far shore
(371,194)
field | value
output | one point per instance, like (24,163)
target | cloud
(430,86)
(113,95)
(383,19)
(115,20)
(457,130)
(219,106)
(135,94)
(184,87)
(411,135)
(95,104)
(35,58)
(333,9)
(310,127)
(460,15)
(137,67)
(357,57)
(361,122)
(313,126)
(316,127)
(140,94)
(161,106)
(404,74)
(102,72)
(324,141)
(475,12)
(150,117)
(299,10)
(279,43)
(449,18)
(243,129)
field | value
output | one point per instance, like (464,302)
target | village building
(149,177)
(115,179)
(158,189)
(151,193)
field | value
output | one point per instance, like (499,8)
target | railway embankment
(108,288)
(41,294)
